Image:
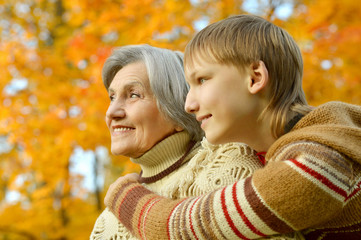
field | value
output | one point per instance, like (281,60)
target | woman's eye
(111,97)
(134,95)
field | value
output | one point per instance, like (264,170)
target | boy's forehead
(196,61)
(193,66)
(189,70)
(202,66)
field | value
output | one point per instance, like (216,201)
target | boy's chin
(214,140)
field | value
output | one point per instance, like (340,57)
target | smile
(119,129)
(204,118)
(122,129)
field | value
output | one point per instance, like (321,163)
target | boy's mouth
(203,119)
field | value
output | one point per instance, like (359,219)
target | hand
(114,187)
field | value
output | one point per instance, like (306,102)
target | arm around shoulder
(301,191)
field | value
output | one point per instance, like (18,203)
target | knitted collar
(164,154)
(291,123)
(334,124)
(170,169)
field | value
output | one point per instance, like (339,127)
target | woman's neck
(163,155)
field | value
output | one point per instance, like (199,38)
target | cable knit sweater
(312,182)
(212,167)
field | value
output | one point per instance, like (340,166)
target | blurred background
(55,163)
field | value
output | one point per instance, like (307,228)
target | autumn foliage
(53,101)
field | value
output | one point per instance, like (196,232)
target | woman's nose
(115,110)
(191,105)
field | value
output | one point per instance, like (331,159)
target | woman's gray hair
(166,78)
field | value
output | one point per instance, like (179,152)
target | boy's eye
(201,80)
(111,97)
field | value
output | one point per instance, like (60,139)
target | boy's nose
(191,105)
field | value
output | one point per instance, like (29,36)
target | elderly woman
(146,119)
(148,123)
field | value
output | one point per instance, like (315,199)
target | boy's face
(221,101)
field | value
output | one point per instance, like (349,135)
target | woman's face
(133,119)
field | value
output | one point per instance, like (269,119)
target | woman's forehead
(131,74)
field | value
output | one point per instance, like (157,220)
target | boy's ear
(259,77)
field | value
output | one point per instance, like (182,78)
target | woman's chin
(118,152)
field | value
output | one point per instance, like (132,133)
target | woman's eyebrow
(133,83)
(127,86)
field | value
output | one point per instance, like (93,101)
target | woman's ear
(258,77)
(179,129)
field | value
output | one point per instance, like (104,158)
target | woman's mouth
(122,129)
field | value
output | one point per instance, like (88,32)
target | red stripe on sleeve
(168,220)
(141,214)
(241,213)
(358,188)
(125,196)
(320,177)
(128,205)
(229,220)
(145,220)
(190,218)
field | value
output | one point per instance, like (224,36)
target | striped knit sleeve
(300,192)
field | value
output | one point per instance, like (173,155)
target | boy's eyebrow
(192,72)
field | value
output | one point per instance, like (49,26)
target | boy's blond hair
(243,40)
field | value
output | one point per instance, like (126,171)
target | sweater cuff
(129,202)
(114,200)
(123,200)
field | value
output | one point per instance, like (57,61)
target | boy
(245,76)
